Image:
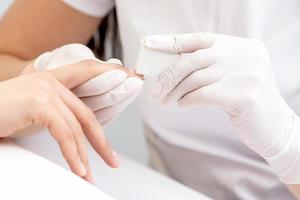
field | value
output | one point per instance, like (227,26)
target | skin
(33,26)
(44,99)
(37,20)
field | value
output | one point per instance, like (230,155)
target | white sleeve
(94,8)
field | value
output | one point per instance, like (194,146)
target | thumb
(75,74)
(176,44)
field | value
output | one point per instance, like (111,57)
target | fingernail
(82,170)
(116,159)
(155,90)
(133,84)
(92,181)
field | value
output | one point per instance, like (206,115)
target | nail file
(152,62)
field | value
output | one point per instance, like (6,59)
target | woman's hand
(44,98)
(236,75)
(106,95)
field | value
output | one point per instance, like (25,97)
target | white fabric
(207,130)
(131,181)
(25,175)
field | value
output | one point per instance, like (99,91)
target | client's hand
(44,99)
(106,95)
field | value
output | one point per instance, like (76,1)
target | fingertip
(82,170)
(113,162)
(89,178)
(110,156)
(116,160)
(182,102)
(167,100)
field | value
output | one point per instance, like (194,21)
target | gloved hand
(44,99)
(236,75)
(107,94)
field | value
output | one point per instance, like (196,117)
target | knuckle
(170,75)
(45,81)
(90,117)
(77,130)
(196,77)
(41,100)
(42,97)
(65,138)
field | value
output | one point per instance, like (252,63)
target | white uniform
(198,146)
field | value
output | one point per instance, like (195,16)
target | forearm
(294,189)
(11,66)
(29,28)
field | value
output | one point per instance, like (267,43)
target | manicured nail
(82,170)
(116,159)
(92,180)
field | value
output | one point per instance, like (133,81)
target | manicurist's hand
(44,99)
(235,75)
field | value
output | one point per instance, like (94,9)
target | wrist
(286,161)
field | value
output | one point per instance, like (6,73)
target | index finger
(181,43)
(77,73)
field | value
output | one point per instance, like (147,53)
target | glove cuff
(286,163)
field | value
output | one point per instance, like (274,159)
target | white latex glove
(108,94)
(236,75)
